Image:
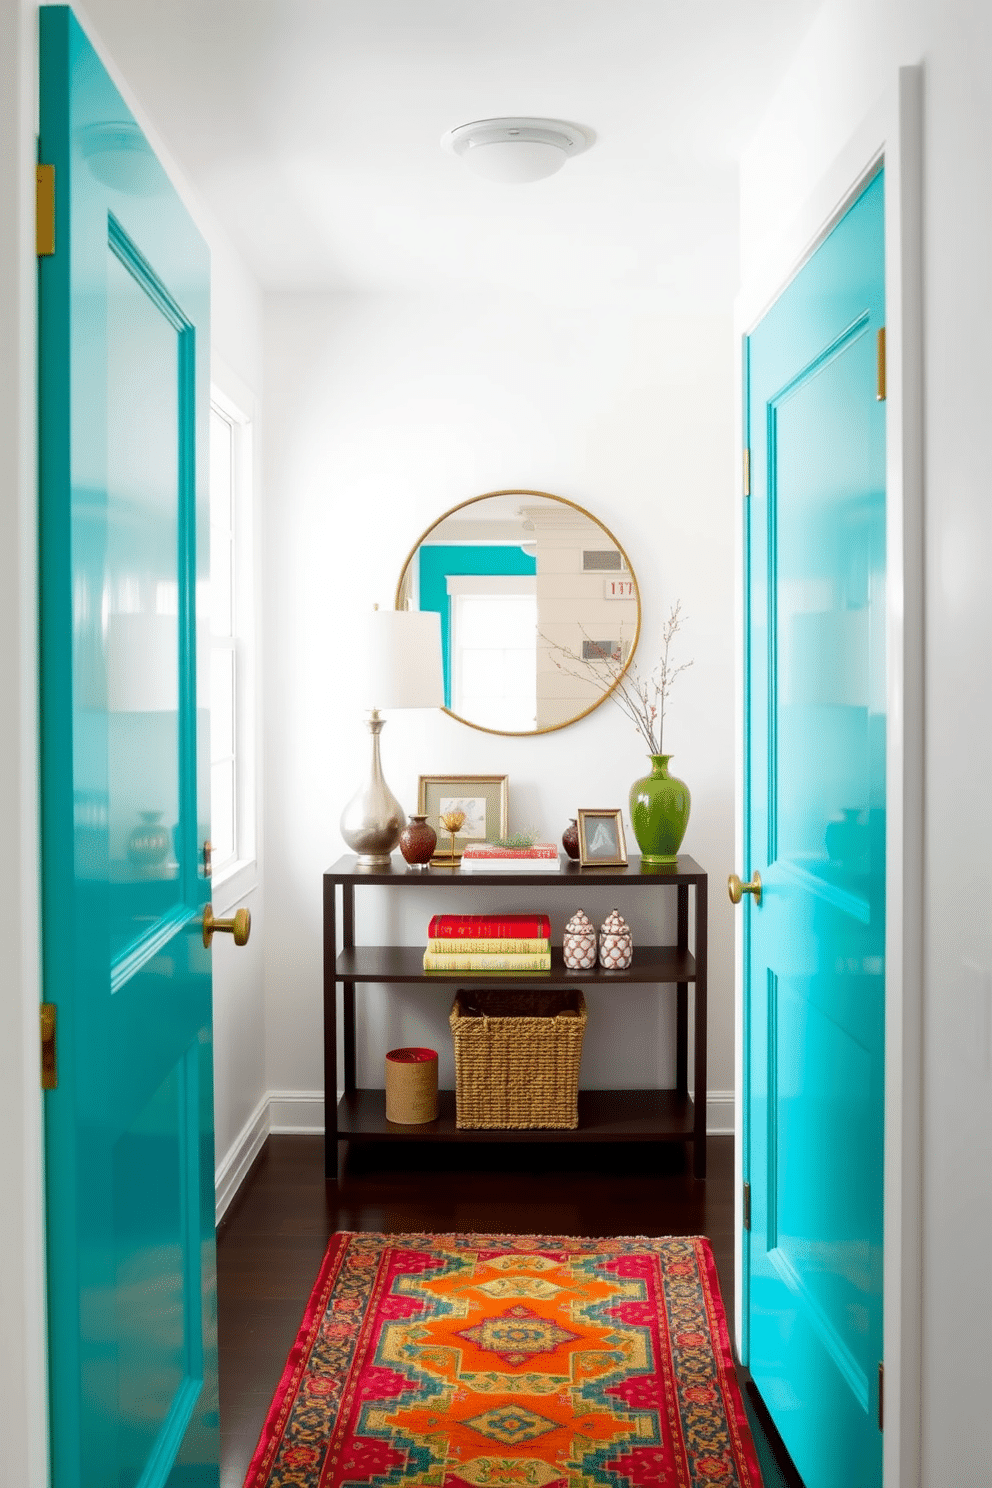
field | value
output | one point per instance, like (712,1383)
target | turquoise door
(814,830)
(124,388)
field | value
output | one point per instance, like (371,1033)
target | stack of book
(486,857)
(508,942)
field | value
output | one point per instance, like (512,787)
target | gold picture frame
(601,840)
(484,800)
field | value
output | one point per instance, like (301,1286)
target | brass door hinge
(747,472)
(208,858)
(747,1206)
(45,211)
(880,361)
(881,1397)
(49,1066)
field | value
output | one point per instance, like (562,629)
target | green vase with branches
(659,803)
(659,812)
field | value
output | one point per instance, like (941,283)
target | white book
(510,865)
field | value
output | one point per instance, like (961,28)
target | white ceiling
(312,128)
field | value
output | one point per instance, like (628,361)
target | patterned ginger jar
(579,945)
(616,944)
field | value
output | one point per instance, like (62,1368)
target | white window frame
(496,586)
(237,877)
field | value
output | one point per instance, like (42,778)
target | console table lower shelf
(652,1115)
(604,1116)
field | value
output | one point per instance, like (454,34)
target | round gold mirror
(539,608)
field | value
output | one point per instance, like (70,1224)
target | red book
(490,927)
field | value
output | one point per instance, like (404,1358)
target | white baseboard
(297,1112)
(719,1113)
(233,1167)
(301,1113)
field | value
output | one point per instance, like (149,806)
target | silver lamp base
(372,821)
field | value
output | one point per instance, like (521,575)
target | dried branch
(643,699)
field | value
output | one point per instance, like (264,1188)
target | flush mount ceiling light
(516,150)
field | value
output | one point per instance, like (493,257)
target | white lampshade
(404,660)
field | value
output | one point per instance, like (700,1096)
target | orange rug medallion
(508,1361)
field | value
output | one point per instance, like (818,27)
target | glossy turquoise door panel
(829,639)
(144,415)
(159,1327)
(815,830)
(124,386)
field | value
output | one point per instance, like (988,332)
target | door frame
(891,137)
(23,1311)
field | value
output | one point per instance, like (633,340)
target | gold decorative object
(451,821)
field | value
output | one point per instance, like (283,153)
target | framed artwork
(482,801)
(601,839)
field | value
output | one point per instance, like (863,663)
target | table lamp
(403,671)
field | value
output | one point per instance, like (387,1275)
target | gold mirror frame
(563,501)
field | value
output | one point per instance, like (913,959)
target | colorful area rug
(508,1361)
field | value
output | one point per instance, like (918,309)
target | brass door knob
(239,926)
(737,890)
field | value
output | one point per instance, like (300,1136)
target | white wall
(383,411)
(848,59)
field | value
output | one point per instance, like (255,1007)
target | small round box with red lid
(411,1086)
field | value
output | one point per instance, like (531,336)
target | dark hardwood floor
(272,1239)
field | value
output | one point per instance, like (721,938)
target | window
(494,650)
(232,730)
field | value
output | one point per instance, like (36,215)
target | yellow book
(482,962)
(448,945)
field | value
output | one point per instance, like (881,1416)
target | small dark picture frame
(601,839)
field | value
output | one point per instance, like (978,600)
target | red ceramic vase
(570,839)
(418,841)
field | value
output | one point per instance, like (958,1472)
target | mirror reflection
(533,593)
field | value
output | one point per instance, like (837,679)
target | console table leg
(699,1115)
(348,990)
(330,1033)
(682,1038)
(348,1009)
(699,1081)
(682,997)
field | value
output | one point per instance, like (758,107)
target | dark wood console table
(604,1115)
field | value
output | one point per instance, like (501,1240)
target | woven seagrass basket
(517,1056)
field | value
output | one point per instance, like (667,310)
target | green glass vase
(659,812)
